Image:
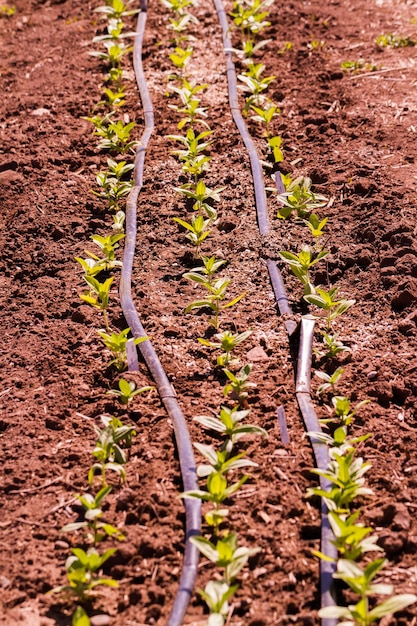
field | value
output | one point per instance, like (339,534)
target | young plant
(83,572)
(346,476)
(113,187)
(227,342)
(117,9)
(326,300)
(360,581)
(198,230)
(116,343)
(127,391)
(332,346)
(229,424)
(116,137)
(216,595)
(239,385)
(96,529)
(299,197)
(180,59)
(301,264)
(201,194)
(98,295)
(216,294)
(330,380)
(249,16)
(226,554)
(394,41)
(255,86)
(114,53)
(343,409)
(265,115)
(108,451)
(315,225)
(106,263)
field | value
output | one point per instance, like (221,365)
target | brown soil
(355,136)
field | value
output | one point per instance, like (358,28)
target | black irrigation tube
(307,324)
(165,389)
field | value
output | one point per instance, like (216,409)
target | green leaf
(392,605)
(80,617)
(206,548)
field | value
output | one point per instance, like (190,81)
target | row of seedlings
(84,566)
(345,472)
(220,543)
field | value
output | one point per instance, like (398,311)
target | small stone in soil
(100,620)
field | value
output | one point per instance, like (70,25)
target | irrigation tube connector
(312,424)
(165,389)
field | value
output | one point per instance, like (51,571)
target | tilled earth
(354,134)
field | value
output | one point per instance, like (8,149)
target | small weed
(394,41)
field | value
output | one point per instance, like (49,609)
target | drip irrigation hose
(303,395)
(258,179)
(165,389)
(307,324)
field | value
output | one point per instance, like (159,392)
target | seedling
(298,197)
(216,293)
(211,265)
(117,9)
(179,25)
(116,137)
(265,115)
(178,6)
(127,391)
(255,86)
(97,530)
(180,58)
(98,295)
(346,476)
(108,245)
(225,554)
(116,343)
(114,99)
(301,264)
(352,540)
(83,572)
(216,595)
(119,221)
(193,144)
(250,48)
(394,41)
(228,423)
(6,11)
(360,581)
(275,144)
(200,193)
(112,184)
(316,225)
(330,381)
(220,461)
(198,230)
(114,53)
(239,384)
(343,409)
(326,300)
(332,346)
(108,451)
(227,342)
(249,16)
(354,67)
